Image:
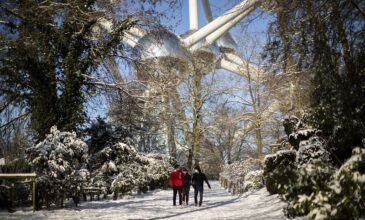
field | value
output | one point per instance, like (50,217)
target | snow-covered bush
(131,176)
(279,170)
(310,184)
(317,189)
(322,193)
(298,130)
(253,180)
(157,170)
(345,198)
(233,175)
(312,149)
(60,163)
(239,169)
(121,169)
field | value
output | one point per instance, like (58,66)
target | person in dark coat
(186,186)
(176,181)
(198,183)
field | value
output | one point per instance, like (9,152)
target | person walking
(176,181)
(186,186)
(198,184)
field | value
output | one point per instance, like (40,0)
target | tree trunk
(190,158)
(259,141)
(343,39)
(171,136)
(197,120)
(169,125)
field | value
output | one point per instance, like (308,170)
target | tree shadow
(209,206)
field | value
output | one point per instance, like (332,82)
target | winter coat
(176,178)
(198,180)
(187,181)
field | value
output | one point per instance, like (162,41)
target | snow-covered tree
(121,169)
(60,162)
(157,169)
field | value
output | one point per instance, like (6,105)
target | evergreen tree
(47,49)
(326,41)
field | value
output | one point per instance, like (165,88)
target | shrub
(346,197)
(157,170)
(321,193)
(233,175)
(310,184)
(131,176)
(239,169)
(311,150)
(59,161)
(254,180)
(279,170)
(121,169)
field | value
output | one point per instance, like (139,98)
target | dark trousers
(177,189)
(185,194)
(200,191)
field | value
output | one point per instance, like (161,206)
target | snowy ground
(218,204)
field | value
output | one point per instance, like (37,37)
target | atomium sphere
(204,57)
(160,56)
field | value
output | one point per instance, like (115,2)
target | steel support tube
(193,15)
(211,38)
(218,22)
(208,16)
(255,71)
(138,32)
(131,39)
(207,11)
(237,69)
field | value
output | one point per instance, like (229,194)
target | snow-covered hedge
(279,170)
(309,181)
(297,130)
(348,187)
(312,149)
(239,169)
(323,193)
(234,175)
(253,180)
(60,162)
(315,187)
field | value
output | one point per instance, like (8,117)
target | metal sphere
(204,57)
(160,55)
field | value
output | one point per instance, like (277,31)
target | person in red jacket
(176,182)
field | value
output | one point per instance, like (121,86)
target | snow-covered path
(218,204)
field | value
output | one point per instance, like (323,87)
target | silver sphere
(161,56)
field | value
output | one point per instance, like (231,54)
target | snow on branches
(244,175)
(60,162)
(121,169)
